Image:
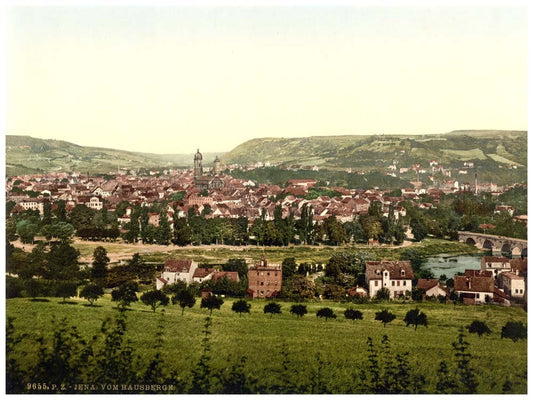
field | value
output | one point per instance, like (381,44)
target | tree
(185,298)
(241,306)
(326,312)
(91,292)
(415,317)
(211,303)
(26,231)
(237,264)
(514,331)
(272,308)
(125,294)
(288,266)
(299,310)
(66,289)
(385,316)
(154,299)
(478,327)
(100,261)
(352,314)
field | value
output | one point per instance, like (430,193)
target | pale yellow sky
(173,79)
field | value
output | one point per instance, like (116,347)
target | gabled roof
(374,269)
(477,272)
(426,284)
(177,265)
(473,284)
(202,272)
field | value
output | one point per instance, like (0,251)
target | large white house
(513,285)
(396,276)
(496,265)
(176,270)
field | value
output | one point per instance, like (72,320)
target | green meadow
(269,343)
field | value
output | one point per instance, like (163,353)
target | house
(495,264)
(357,291)
(432,288)
(474,289)
(230,275)
(264,279)
(176,270)
(512,285)
(396,276)
(203,274)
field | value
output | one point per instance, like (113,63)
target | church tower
(198,170)
(217,168)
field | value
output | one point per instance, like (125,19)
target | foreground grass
(260,338)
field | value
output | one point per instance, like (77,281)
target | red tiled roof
(426,284)
(177,265)
(202,272)
(473,284)
(232,275)
(477,272)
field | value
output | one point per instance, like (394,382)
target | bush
(272,308)
(352,314)
(241,306)
(514,331)
(385,316)
(478,327)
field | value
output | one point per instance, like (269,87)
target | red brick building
(264,279)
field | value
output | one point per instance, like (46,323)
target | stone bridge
(518,247)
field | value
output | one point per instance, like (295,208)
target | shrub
(272,308)
(352,314)
(478,327)
(514,331)
(326,312)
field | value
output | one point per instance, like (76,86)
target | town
(207,206)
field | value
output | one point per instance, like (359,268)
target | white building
(396,276)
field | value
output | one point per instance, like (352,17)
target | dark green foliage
(415,317)
(66,289)
(299,310)
(446,383)
(15,376)
(288,267)
(241,306)
(238,380)
(185,298)
(272,308)
(466,380)
(514,330)
(385,316)
(386,373)
(125,294)
(154,299)
(237,264)
(297,287)
(383,294)
(14,287)
(201,374)
(478,327)
(352,314)
(100,261)
(212,303)
(92,292)
(326,313)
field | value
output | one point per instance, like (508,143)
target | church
(211,181)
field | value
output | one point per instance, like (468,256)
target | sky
(174,79)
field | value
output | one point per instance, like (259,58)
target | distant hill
(372,152)
(27,155)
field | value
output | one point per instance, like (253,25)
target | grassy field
(261,339)
(220,254)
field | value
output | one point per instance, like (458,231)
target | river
(444,264)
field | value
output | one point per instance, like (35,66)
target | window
(405,283)
(268,273)
(375,283)
(393,284)
(385,274)
(262,283)
(403,272)
(477,295)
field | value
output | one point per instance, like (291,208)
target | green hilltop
(27,155)
(500,155)
(377,151)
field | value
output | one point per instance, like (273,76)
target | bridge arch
(487,244)
(506,248)
(470,241)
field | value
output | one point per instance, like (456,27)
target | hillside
(370,152)
(27,155)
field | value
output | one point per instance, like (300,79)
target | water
(450,265)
